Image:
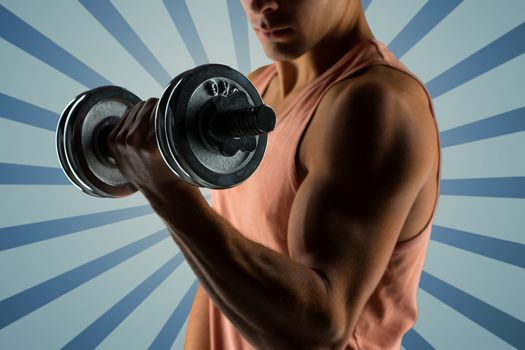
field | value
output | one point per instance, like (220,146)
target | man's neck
(293,75)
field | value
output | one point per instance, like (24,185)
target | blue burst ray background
(79,272)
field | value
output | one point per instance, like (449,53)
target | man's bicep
(346,241)
(349,211)
(342,235)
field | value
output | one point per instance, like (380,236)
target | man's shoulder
(376,86)
(257,72)
(379,96)
(370,110)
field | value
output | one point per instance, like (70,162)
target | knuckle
(132,139)
(121,136)
(128,139)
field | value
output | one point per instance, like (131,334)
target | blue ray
(498,125)
(27,38)
(366,3)
(427,18)
(172,327)
(109,17)
(504,187)
(181,17)
(26,113)
(16,236)
(501,50)
(239,26)
(499,323)
(506,251)
(29,300)
(97,331)
(18,174)
(413,340)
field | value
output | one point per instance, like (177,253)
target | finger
(138,130)
(150,137)
(152,118)
(140,124)
(118,126)
(124,122)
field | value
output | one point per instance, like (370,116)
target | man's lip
(272,30)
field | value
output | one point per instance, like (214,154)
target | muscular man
(323,247)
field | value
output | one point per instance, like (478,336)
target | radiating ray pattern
(27,38)
(173,325)
(19,174)
(494,54)
(422,23)
(113,21)
(23,303)
(496,321)
(180,14)
(97,331)
(23,112)
(366,3)
(239,26)
(16,236)
(499,249)
(413,340)
(498,125)
(109,16)
(507,187)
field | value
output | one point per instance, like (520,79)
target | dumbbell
(211,127)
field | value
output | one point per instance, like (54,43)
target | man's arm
(363,177)
(364,174)
(197,334)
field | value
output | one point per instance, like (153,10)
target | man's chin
(283,52)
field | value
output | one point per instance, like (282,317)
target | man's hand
(133,145)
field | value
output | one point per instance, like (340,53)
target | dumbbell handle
(251,121)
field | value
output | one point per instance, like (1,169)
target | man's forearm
(267,295)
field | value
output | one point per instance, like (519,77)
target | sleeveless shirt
(259,208)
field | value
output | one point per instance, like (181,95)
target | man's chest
(290,116)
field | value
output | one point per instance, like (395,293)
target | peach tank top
(259,208)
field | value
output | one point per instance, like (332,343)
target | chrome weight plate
(75,141)
(160,130)
(60,144)
(178,131)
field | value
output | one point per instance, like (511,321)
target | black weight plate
(95,177)
(161,133)
(207,168)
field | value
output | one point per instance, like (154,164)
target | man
(323,247)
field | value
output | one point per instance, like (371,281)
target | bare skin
(368,165)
